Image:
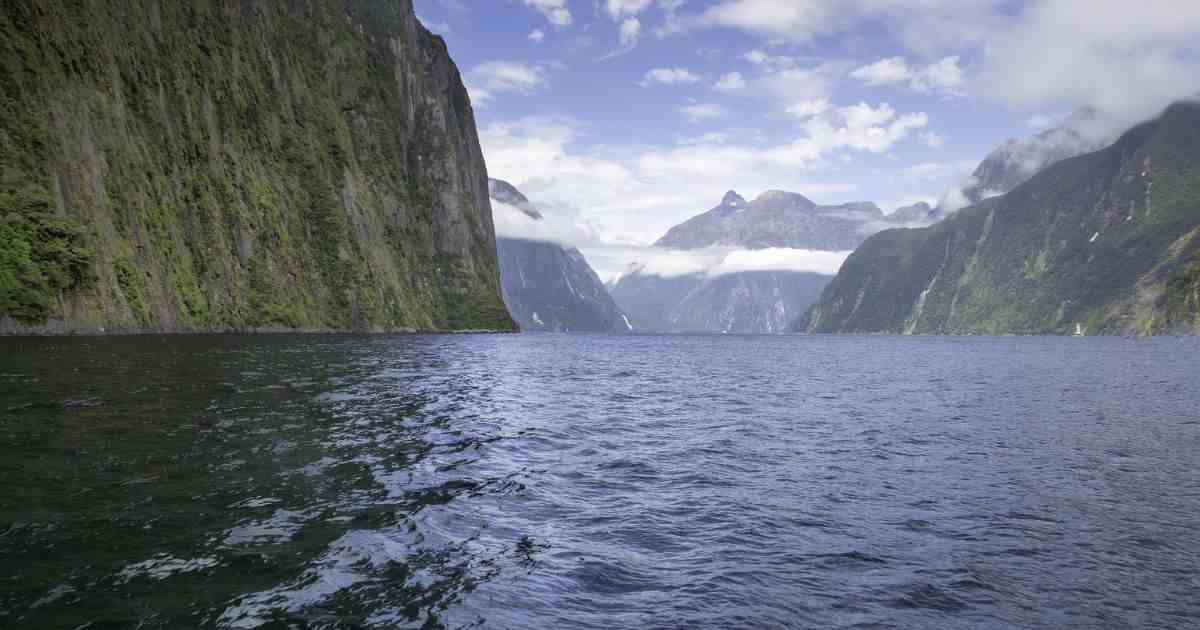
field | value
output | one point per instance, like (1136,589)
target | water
(546,481)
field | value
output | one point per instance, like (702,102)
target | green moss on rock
(225,166)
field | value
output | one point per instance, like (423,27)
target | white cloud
(629,32)
(556,11)
(670,76)
(626,197)
(490,78)
(719,261)
(731,82)
(888,71)
(1130,58)
(780,259)
(700,112)
(1042,121)
(944,76)
(618,8)
(787,19)
(756,57)
(808,109)
(537,35)
(924,26)
(555,226)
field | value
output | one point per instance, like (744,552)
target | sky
(622,118)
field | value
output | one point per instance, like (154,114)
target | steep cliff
(236,165)
(1108,242)
(549,287)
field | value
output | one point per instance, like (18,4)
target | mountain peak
(505,192)
(733,199)
(774,198)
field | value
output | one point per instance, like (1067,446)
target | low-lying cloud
(719,261)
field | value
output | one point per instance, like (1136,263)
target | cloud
(887,71)
(756,56)
(730,82)
(555,11)
(558,226)
(923,26)
(944,76)
(537,35)
(700,112)
(490,78)
(629,32)
(1129,58)
(785,19)
(780,259)
(669,76)
(619,8)
(719,261)
(627,196)
(808,109)
(1041,121)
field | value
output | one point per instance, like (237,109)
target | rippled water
(546,481)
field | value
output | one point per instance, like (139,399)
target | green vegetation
(1181,303)
(1091,240)
(214,166)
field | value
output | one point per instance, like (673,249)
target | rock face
(202,166)
(548,287)
(1107,242)
(747,302)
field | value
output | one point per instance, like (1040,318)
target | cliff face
(236,165)
(548,287)
(1108,242)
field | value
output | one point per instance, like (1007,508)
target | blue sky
(621,118)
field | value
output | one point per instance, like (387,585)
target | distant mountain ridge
(1106,242)
(775,219)
(754,301)
(546,286)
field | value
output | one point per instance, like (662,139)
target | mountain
(549,287)
(1014,162)
(1108,241)
(749,302)
(774,219)
(752,301)
(919,212)
(210,166)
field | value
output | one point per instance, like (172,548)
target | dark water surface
(546,481)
